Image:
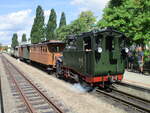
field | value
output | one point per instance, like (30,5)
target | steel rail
(140,88)
(28,105)
(125,101)
(1,97)
(37,89)
(133,96)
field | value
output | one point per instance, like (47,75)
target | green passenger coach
(24,52)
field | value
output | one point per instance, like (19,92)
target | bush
(147,55)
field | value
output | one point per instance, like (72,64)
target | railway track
(132,101)
(29,97)
(134,87)
(135,102)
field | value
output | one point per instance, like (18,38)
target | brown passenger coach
(47,52)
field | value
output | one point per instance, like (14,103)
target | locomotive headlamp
(99,49)
(126,50)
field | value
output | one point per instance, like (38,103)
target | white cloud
(46,14)
(74,2)
(83,9)
(10,20)
(17,22)
(94,5)
(90,3)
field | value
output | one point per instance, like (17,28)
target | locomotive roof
(95,32)
(98,31)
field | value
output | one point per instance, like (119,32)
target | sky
(16,16)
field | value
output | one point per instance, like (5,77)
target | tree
(63,32)
(24,39)
(37,32)
(83,23)
(51,26)
(130,17)
(115,3)
(14,40)
(62,20)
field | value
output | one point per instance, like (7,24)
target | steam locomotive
(96,57)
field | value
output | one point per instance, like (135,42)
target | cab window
(87,44)
(110,44)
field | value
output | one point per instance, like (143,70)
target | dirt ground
(72,96)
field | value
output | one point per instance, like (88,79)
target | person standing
(130,60)
(140,59)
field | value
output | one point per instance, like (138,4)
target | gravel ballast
(72,96)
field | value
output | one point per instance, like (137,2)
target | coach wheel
(50,72)
(57,75)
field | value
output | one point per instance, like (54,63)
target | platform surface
(137,79)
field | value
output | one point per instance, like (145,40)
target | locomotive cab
(96,56)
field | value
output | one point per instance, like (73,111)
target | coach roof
(48,42)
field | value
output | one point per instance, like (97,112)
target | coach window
(55,48)
(43,49)
(46,50)
(39,48)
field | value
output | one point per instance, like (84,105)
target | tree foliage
(130,17)
(24,39)
(51,26)
(14,40)
(38,30)
(62,20)
(83,23)
(63,32)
